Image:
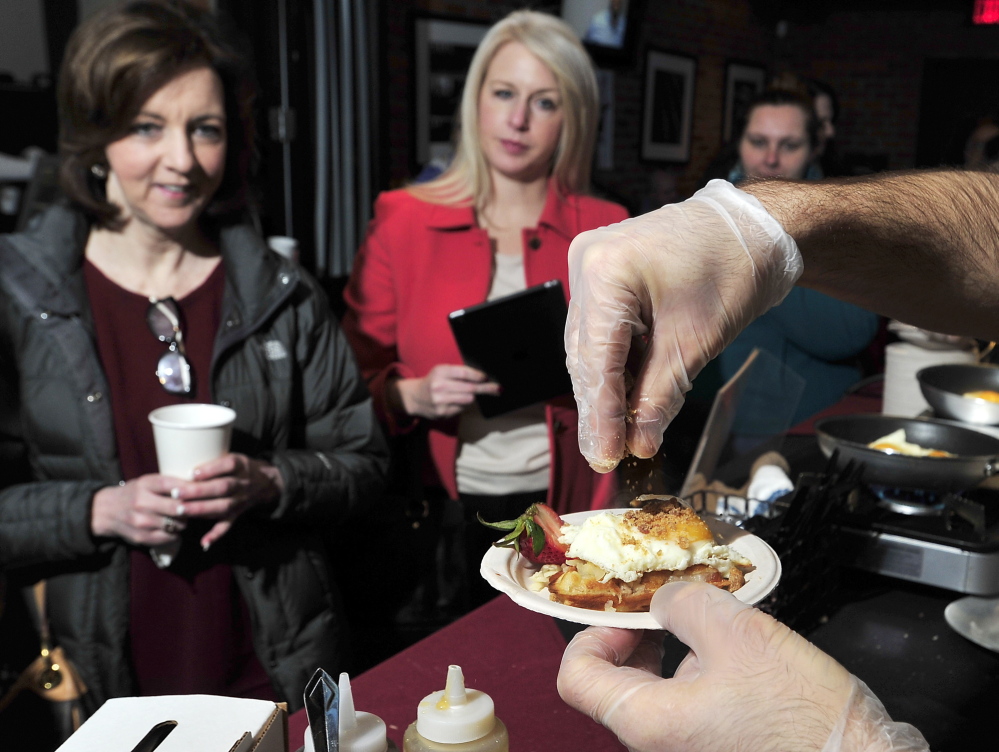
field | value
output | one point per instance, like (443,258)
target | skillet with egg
(966,392)
(976,455)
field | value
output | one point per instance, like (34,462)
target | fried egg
(895,443)
(625,546)
(988,395)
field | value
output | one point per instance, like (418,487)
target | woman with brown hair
(147,288)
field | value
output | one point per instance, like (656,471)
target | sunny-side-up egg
(983,394)
(622,551)
(895,443)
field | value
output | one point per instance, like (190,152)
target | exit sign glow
(985,12)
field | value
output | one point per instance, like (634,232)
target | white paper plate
(976,619)
(510,573)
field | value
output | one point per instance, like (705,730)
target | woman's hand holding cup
(223,489)
(142,511)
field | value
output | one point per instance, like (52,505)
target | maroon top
(190,629)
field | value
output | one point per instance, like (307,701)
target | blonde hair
(554,43)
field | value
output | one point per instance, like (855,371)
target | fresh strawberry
(535,535)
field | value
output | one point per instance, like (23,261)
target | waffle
(583,584)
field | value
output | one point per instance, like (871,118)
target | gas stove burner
(946,540)
(911,501)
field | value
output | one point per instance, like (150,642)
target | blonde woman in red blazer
(498,220)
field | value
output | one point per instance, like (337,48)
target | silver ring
(170,525)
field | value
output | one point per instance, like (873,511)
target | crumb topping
(669,521)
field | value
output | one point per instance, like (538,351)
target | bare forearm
(919,247)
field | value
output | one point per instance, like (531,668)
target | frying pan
(977,453)
(943,386)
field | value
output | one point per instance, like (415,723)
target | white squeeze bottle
(456,719)
(359,731)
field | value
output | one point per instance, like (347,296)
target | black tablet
(518,341)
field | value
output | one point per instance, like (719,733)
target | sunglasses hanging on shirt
(173,370)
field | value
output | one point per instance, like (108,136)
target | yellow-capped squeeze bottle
(456,719)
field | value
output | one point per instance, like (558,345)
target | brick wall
(712,31)
(874,61)
(398,18)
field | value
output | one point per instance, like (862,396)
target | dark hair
(991,149)
(817,88)
(780,97)
(118,59)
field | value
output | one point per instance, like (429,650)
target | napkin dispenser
(183,723)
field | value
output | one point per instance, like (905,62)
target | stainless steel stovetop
(950,542)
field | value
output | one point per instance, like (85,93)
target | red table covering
(851,404)
(511,654)
(506,651)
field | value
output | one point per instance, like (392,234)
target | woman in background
(779,138)
(498,220)
(147,289)
(826,106)
(816,337)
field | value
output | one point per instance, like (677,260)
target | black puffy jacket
(279,360)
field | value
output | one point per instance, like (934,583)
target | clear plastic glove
(749,683)
(680,282)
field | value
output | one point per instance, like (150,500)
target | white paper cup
(190,435)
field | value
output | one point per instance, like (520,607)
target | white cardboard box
(205,723)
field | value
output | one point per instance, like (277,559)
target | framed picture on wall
(668,106)
(607,28)
(443,50)
(743,81)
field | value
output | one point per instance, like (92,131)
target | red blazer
(419,262)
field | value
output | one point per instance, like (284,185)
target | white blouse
(509,453)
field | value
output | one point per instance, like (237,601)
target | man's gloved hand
(749,683)
(680,283)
